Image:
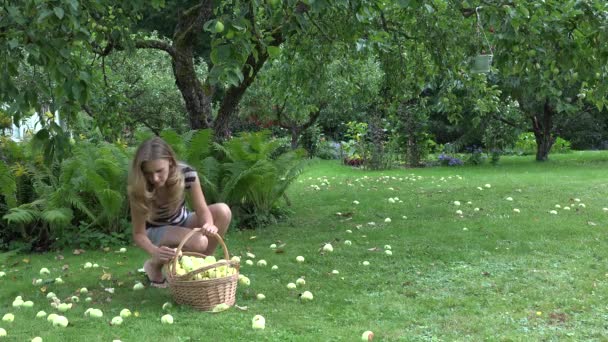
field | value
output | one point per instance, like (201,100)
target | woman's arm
(139,233)
(203,214)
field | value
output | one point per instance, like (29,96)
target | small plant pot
(482,63)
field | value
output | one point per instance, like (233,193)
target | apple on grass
(116,320)
(301,282)
(2,332)
(124,313)
(306,296)
(367,336)
(60,321)
(166,319)
(9,317)
(258,322)
(40,314)
(220,307)
(63,307)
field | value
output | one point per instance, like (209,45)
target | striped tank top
(163,215)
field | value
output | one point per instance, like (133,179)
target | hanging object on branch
(483,61)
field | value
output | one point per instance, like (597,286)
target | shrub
(475,156)
(447,160)
(526,145)
(328,149)
(561,146)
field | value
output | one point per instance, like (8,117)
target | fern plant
(253,181)
(88,188)
(248,172)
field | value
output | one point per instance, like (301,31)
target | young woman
(160,219)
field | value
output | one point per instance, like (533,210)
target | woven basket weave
(203,294)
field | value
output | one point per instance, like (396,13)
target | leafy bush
(447,160)
(475,155)
(328,149)
(526,145)
(87,187)
(561,146)
(249,172)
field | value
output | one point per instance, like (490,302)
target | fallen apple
(300,282)
(60,321)
(258,322)
(44,271)
(41,314)
(116,320)
(166,319)
(124,313)
(367,336)
(9,317)
(220,307)
(300,259)
(138,287)
(306,296)
(328,247)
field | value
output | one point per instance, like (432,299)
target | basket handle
(194,231)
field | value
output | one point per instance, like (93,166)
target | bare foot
(154,272)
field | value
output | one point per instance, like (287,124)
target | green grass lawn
(488,274)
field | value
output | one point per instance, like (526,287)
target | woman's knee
(221,211)
(197,243)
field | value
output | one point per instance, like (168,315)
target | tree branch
(508,122)
(140,44)
(156,44)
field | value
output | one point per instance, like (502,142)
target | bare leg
(199,243)
(221,218)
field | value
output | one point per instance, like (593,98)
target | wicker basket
(202,294)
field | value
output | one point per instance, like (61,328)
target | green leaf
(58,12)
(274,51)
(57,216)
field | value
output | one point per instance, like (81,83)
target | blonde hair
(142,194)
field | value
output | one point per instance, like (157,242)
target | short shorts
(155,234)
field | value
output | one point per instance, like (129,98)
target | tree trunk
(198,101)
(542,132)
(233,96)
(295,134)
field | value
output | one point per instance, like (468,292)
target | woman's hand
(209,229)
(163,254)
